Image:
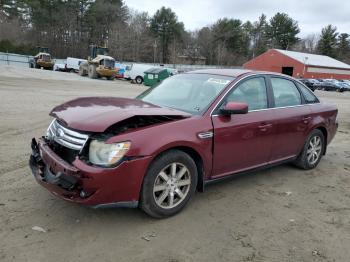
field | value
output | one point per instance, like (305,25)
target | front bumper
(107,72)
(88,185)
(45,64)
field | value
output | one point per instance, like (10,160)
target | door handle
(306,119)
(264,127)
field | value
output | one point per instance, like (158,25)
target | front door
(243,141)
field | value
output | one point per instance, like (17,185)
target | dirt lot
(281,214)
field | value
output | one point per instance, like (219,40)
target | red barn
(301,65)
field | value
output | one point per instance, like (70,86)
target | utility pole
(305,63)
(154,51)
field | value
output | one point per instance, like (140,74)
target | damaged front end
(80,166)
(43,172)
(137,122)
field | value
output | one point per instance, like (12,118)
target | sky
(312,16)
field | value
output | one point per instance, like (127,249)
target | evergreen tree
(282,31)
(327,45)
(166,27)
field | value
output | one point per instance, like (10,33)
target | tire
(81,71)
(139,80)
(304,161)
(31,65)
(92,72)
(172,194)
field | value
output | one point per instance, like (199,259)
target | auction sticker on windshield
(218,81)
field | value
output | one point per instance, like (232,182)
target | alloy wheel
(172,185)
(314,150)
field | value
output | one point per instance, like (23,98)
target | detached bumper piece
(84,184)
(44,174)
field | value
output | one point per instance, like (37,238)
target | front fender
(151,141)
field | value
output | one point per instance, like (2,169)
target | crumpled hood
(96,114)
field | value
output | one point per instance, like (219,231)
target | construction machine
(98,64)
(42,60)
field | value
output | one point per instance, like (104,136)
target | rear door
(243,141)
(291,119)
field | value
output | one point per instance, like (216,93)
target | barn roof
(315,60)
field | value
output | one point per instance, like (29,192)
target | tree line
(69,27)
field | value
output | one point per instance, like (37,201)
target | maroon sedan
(156,150)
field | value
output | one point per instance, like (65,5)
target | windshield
(191,93)
(46,57)
(109,63)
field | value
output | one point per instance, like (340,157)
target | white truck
(135,72)
(69,65)
(72,64)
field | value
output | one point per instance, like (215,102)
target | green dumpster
(155,75)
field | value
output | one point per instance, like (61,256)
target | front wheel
(92,72)
(81,71)
(169,184)
(312,151)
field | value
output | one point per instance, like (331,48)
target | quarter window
(285,92)
(252,92)
(310,98)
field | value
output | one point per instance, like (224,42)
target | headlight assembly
(103,154)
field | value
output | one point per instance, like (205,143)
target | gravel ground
(280,214)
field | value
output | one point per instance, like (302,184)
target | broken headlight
(103,154)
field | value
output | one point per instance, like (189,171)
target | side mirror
(234,108)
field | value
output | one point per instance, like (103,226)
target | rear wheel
(169,184)
(312,151)
(139,80)
(92,71)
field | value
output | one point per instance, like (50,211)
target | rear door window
(285,92)
(309,97)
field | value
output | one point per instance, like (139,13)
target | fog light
(83,194)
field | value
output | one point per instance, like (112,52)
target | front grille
(67,154)
(66,137)
(46,58)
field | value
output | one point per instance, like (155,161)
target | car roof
(234,72)
(222,72)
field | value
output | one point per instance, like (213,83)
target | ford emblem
(59,133)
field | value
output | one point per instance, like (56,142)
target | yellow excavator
(99,64)
(42,60)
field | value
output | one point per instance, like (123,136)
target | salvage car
(333,85)
(192,129)
(311,83)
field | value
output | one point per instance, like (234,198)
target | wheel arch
(325,134)
(195,155)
